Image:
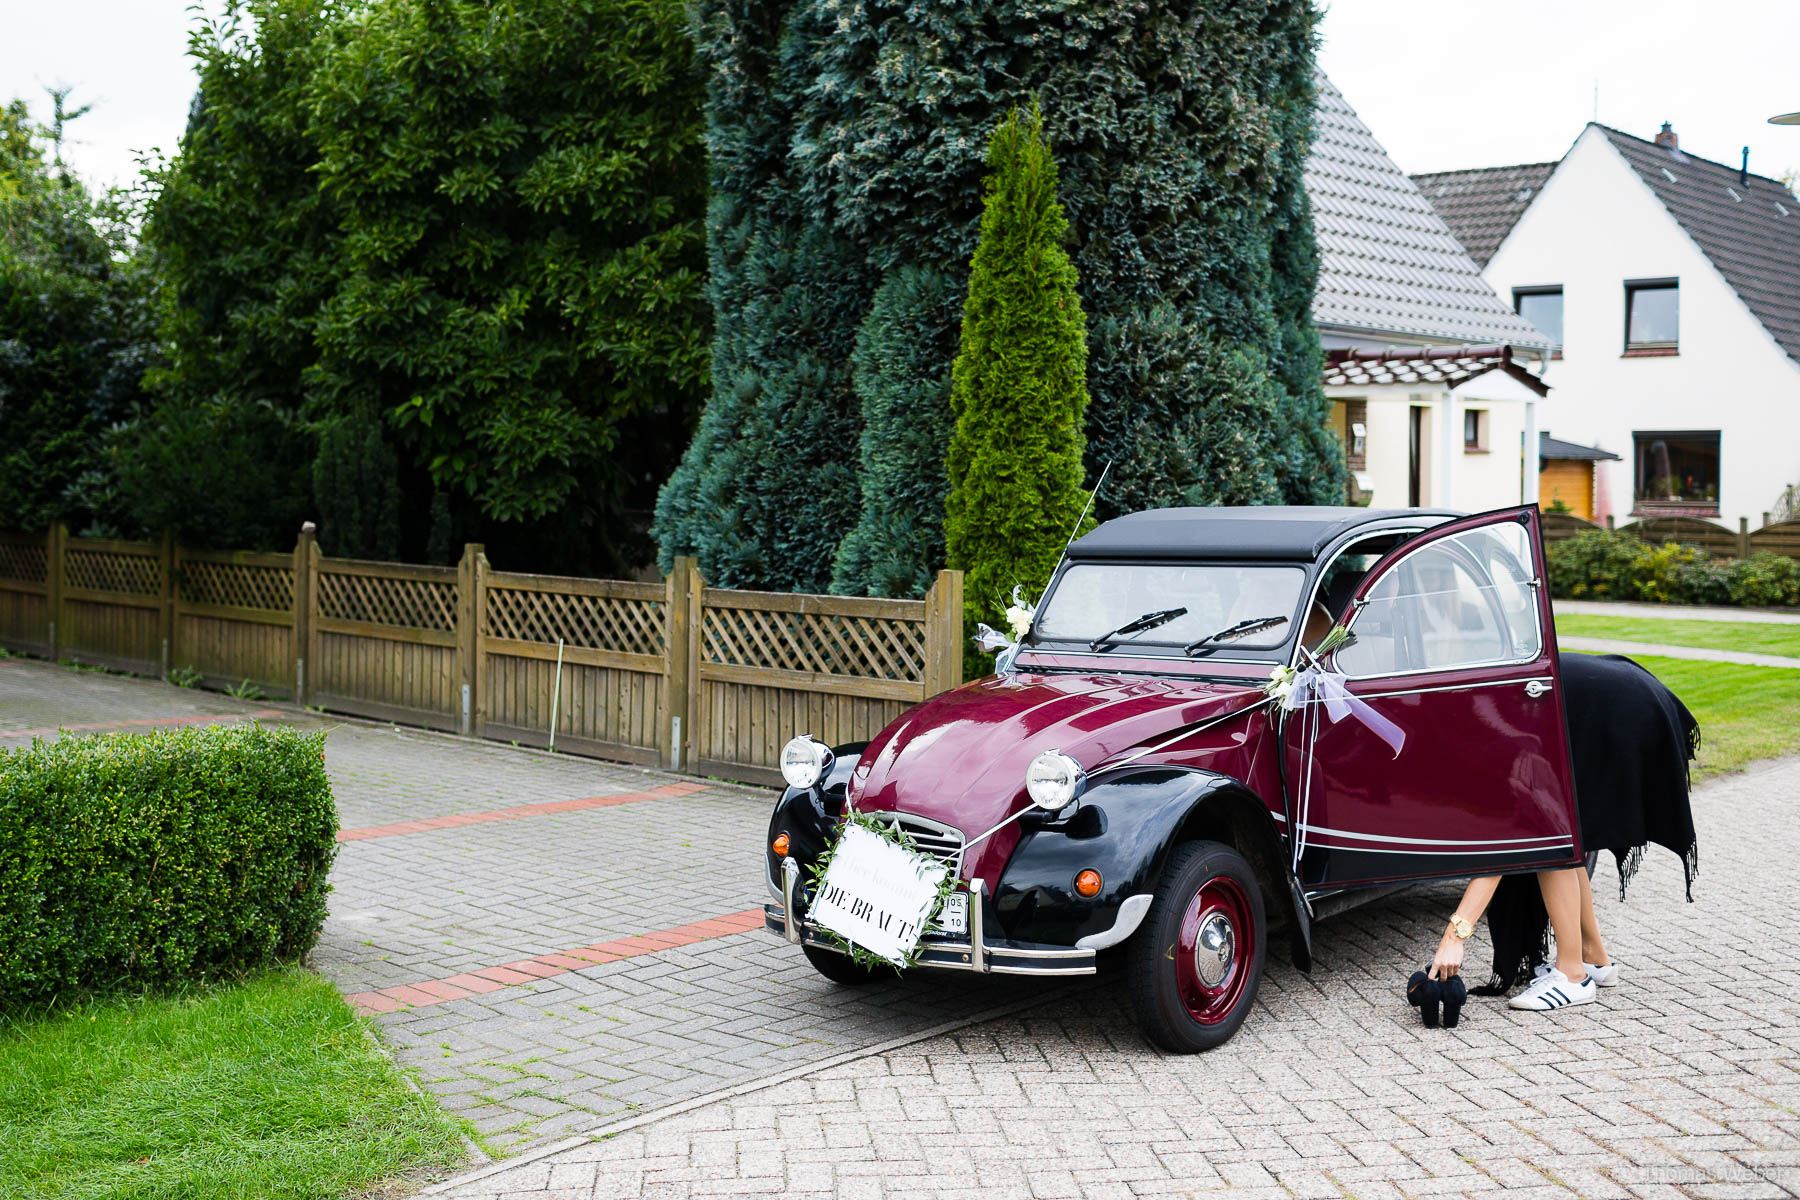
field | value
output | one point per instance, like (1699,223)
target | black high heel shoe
(1425,994)
(1455,992)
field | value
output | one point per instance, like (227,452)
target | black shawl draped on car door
(1631,740)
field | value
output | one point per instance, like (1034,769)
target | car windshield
(1092,599)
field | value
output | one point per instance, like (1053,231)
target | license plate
(954,916)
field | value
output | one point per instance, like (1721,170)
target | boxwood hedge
(132,859)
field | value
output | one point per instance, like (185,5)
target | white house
(1429,372)
(1671,287)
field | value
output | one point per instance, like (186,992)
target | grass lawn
(265,1088)
(1756,638)
(1745,713)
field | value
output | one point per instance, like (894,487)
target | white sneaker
(1607,976)
(1551,990)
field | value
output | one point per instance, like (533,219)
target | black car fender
(1125,826)
(809,816)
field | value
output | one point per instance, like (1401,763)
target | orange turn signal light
(780,845)
(1088,883)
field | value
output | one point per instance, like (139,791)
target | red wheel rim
(1215,950)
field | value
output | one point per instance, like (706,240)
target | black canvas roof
(1266,531)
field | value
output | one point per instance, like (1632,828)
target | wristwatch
(1460,926)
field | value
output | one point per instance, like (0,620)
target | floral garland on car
(889,832)
(1282,679)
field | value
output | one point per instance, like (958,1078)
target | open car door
(1455,645)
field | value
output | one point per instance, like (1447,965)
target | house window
(1356,434)
(1652,316)
(1678,472)
(1543,307)
(1475,430)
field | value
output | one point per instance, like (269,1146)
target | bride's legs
(1593,949)
(1562,900)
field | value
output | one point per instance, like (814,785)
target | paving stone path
(501,867)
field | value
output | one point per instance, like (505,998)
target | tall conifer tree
(1019,388)
(1181,129)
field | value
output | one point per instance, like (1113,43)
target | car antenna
(1084,508)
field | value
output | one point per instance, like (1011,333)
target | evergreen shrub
(1599,564)
(1019,386)
(1595,564)
(146,860)
(1765,579)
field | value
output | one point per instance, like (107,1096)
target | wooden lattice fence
(25,593)
(672,673)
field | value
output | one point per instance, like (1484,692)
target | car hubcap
(1214,950)
(1216,947)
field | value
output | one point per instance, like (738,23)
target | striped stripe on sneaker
(1551,990)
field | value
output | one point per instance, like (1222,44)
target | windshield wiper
(1241,629)
(1148,621)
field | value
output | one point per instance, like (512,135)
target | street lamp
(1792,118)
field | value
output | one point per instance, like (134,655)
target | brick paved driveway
(1681,1082)
(434,897)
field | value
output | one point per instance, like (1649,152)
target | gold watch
(1460,926)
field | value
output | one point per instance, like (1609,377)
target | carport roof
(1449,366)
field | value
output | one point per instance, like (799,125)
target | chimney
(1667,139)
(1744,170)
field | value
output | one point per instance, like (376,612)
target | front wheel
(1196,964)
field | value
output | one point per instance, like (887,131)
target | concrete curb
(610,1128)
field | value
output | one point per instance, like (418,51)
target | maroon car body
(1210,811)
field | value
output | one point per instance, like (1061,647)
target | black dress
(1630,739)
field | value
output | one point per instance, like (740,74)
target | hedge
(1599,564)
(143,860)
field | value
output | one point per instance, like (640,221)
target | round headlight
(804,761)
(1054,780)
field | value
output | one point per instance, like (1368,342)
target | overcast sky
(1443,83)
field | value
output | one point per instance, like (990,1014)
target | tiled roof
(1482,206)
(1449,365)
(1387,262)
(1549,447)
(1750,230)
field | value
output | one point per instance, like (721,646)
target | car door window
(1464,601)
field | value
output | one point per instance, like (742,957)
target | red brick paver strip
(141,722)
(454,820)
(544,966)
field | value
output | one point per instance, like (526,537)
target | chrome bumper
(977,954)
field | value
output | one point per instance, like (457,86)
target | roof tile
(1387,262)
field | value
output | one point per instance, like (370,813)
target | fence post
(469,581)
(478,670)
(691,733)
(303,606)
(167,562)
(943,633)
(53,577)
(309,649)
(673,719)
(1743,546)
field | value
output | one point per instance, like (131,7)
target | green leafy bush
(1657,571)
(1704,583)
(1596,564)
(151,859)
(1602,565)
(1765,579)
